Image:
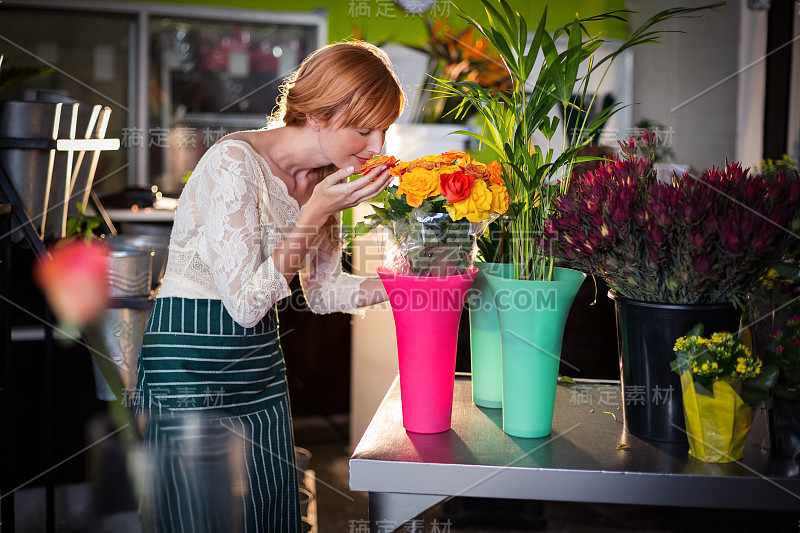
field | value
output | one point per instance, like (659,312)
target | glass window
(187,76)
(209,78)
(89,53)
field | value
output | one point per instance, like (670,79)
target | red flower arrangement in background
(700,239)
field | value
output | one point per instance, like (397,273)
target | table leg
(388,511)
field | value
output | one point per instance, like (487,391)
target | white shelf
(145,214)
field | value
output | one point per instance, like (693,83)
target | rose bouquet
(441,204)
(696,240)
(719,378)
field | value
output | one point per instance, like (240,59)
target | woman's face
(351,146)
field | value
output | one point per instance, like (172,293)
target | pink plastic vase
(427,311)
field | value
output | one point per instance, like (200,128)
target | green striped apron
(204,379)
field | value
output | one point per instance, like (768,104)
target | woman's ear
(313,122)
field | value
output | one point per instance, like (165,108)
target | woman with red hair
(260,206)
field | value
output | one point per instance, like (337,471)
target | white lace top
(232,215)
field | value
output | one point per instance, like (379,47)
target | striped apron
(218,425)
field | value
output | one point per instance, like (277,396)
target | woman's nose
(375,144)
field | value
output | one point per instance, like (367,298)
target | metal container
(158,244)
(28,168)
(129,272)
(118,334)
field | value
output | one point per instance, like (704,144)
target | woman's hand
(330,196)
(334,193)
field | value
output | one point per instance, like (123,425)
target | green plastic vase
(484,338)
(532,317)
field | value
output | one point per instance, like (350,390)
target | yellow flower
(476,207)
(694,368)
(418,185)
(448,169)
(705,366)
(719,337)
(741,368)
(740,360)
(398,168)
(499,198)
(714,365)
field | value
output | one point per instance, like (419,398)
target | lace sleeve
(248,283)
(326,287)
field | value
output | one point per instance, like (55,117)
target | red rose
(456,186)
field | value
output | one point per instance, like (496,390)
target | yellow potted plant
(720,380)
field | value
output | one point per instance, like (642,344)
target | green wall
(377,27)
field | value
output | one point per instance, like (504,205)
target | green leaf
(361,228)
(766,380)
(72,226)
(533,49)
(573,56)
(380,211)
(398,205)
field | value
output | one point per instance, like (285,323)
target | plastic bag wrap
(717,421)
(432,244)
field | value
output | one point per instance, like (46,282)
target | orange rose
(387,160)
(453,154)
(456,186)
(418,184)
(477,170)
(495,173)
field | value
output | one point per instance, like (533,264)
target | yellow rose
(448,169)
(418,184)
(499,198)
(476,207)
(398,169)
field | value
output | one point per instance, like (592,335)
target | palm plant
(536,175)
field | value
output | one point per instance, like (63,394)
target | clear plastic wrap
(432,244)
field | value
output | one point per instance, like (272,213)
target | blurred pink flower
(75,280)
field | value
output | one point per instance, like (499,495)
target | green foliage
(535,175)
(12,75)
(82,225)
(770,168)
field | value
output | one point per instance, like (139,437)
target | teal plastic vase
(484,338)
(532,318)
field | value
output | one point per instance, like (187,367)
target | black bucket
(784,428)
(652,403)
(27,168)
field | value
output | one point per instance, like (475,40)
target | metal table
(407,473)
